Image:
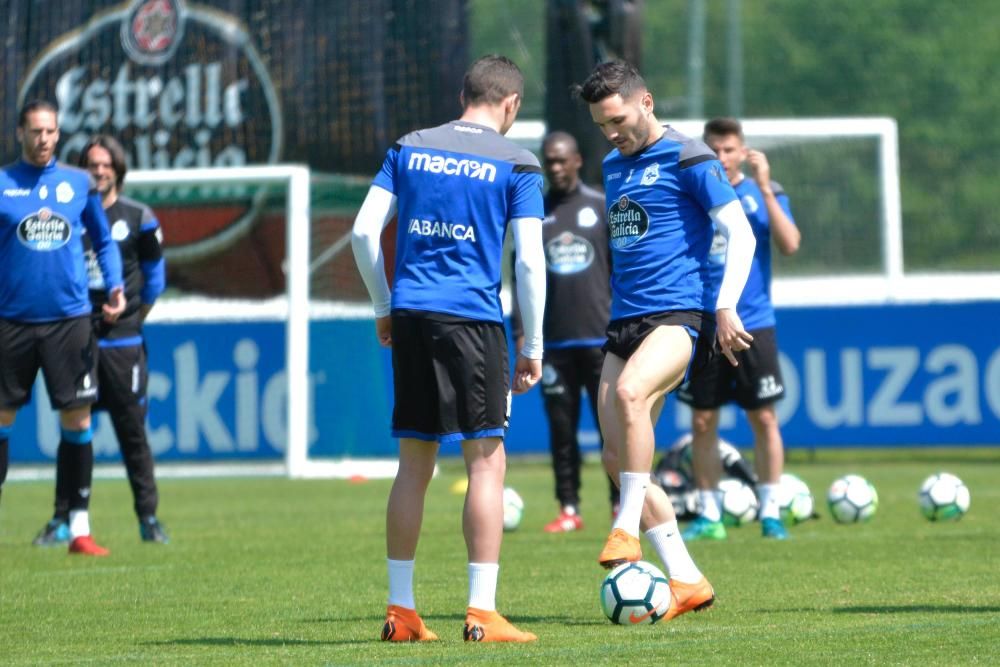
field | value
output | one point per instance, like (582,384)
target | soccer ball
(635,594)
(943,497)
(852,499)
(795,500)
(513,509)
(739,504)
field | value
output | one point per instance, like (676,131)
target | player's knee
(630,399)
(703,421)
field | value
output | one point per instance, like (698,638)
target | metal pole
(734,74)
(696,59)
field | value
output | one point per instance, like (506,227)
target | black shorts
(122,373)
(755,383)
(451,377)
(65,351)
(625,335)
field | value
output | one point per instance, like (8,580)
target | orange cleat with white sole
(689,597)
(489,626)
(86,546)
(405,625)
(620,548)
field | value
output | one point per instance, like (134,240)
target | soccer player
(664,191)
(577,307)
(456,188)
(121,370)
(45,208)
(756,383)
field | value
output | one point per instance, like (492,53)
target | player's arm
(108,256)
(529,270)
(516,326)
(732,223)
(151,263)
(786,235)
(376,212)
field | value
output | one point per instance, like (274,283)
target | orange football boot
(489,626)
(689,597)
(620,548)
(405,625)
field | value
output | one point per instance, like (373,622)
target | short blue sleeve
(526,199)
(386,176)
(706,181)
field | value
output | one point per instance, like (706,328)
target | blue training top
(458,185)
(754,308)
(658,202)
(43,214)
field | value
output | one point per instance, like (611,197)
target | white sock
(401,583)
(79,523)
(483,585)
(710,505)
(666,539)
(768,496)
(633,486)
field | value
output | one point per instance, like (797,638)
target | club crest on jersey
(44,230)
(119,230)
(568,253)
(651,174)
(627,222)
(64,193)
(749,204)
(586,217)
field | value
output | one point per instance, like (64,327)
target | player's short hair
(615,77)
(33,106)
(490,79)
(558,136)
(723,127)
(111,145)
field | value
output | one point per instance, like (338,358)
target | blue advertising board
(925,374)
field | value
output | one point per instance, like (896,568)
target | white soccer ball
(513,509)
(795,500)
(739,503)
(943,497)
(635,594)
(852,499)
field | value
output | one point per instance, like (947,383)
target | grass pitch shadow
(236,642)
(919,609)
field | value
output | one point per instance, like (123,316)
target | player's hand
(731,335)
(115,305)
(760,168)
(383,330)
(527,373)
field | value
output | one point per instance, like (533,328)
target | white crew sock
(401,583)
(666,539)
(710,505)
(633,486)
(768,501)
(483,585)
(79,523)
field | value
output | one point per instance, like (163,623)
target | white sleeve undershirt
(376,212)
(530,271)
(733,224)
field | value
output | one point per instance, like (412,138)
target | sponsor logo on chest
(627,222)
(44,230)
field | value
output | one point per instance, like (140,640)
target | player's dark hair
(723,127)
(615,77)
(558,136)
(114,149)
(33,106)
(490,79)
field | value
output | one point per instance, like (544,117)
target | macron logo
(16,192)
(438,164)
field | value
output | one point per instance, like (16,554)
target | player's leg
(123,377)
(68,353)
(629,390)
(561,397)
(591,364)
(415,422)
(759,387)
(6,425)
(707,471)
(18,368)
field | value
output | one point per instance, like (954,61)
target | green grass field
(270,571)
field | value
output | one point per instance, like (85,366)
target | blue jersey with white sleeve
(43,214)
(457,186)
(754,308)
(659,228)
